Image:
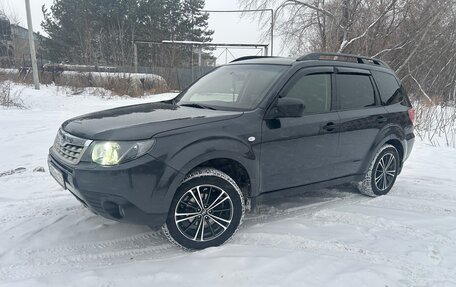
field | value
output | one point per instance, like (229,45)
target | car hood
(140,122)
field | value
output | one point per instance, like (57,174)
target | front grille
(70,148)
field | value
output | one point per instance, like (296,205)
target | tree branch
(345,44)
(421,88)
(321,10)
(390,49)
(404,64)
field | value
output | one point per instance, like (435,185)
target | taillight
(411,113)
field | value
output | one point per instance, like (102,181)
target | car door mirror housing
(286,108)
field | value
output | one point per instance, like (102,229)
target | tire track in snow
(38,211)
(38,207)
(416,273)
(87,256)
(130,242)
(392,201)
(428,196)
(83,262)
(383,224)
(46,199)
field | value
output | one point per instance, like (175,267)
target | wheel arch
(393,135)
(226,154)
(240,169)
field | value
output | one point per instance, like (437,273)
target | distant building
(6,44)
(14,44)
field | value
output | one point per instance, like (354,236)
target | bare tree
(417,38)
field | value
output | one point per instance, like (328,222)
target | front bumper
(133,192)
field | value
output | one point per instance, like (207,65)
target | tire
(206,211)
(377,182)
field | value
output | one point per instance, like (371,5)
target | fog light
(113,209)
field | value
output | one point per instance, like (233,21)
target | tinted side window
(314,91)
(390,91)
(355,91)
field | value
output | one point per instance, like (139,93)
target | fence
(176,78)
(119,79)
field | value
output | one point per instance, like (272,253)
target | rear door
(298,151)
(361,118)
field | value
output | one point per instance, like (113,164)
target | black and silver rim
(203,213)
(385,171)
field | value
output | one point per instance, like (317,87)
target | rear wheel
(382,172)
(206,211)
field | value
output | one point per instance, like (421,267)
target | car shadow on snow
(302,199)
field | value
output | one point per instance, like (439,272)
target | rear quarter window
(390,90)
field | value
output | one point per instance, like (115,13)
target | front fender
(194,153)
(206,148)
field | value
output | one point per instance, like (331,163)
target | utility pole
(36,80)
(135,56)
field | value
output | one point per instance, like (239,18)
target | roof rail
(250,58)
(336,56)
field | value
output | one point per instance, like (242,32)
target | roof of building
(22,32)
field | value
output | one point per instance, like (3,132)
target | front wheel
(382,173)
(206,211)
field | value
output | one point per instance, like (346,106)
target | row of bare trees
(416,37)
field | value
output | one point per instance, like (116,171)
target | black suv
(254,126)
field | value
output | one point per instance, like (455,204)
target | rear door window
(355,91)
(390,91)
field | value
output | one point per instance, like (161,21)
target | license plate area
(57,175)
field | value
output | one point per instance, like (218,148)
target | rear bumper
(410,141)
(132,192)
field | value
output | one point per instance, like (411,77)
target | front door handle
(329,127)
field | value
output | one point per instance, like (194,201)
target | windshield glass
(233,87)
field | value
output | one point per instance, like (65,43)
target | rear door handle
(381,119)
(329,127)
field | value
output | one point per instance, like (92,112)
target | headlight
(112,153)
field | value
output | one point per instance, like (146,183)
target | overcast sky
(228,27)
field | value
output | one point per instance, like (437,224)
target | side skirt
(255,201)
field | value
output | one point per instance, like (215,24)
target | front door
(299,151)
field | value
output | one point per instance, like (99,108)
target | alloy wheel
(385,171)
(203,213)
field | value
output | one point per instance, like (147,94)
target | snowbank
(134,83)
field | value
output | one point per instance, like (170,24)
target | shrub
(8,98)
(436,123)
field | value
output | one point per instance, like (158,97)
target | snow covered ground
(331,237)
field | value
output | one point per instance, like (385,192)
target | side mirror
(286,108)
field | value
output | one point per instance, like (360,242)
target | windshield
(232,87)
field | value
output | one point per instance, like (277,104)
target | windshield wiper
(199,106)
